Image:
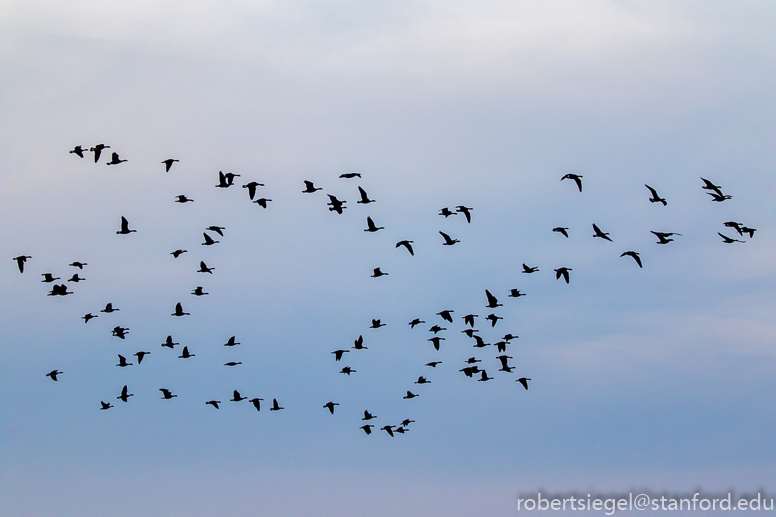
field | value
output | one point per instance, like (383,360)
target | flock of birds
(472,367)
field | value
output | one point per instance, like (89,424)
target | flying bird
(125,394)
(124,227)
(330,406)
(655,197)
(179,311)
(406,244)
(376,324)
(338,354)
(347,371)
(21,259)
(123,361)
(256,401)
(309,188)
(232,363)
(377,273)
(436,328)
(728,240)
(275,405)
(561,230)
(469,319)
(465,211)
(169,343)
(79,265)
(204,269)
(515,293)
(367,428)
(223,182)
(79,151)
(492,301)
(231,342)
(410,395)
(252,188)
(87,317)
(433,364)
(105,405)
(140,355)
(576,177)
(436,340)
(448,241)
(237,397)
(416,321)
(388,429)
(485,376)
(634,255)
(75,278)
(213,403)
(167,394)
(523,381)
(59,290)
(208,240)
(599,233)
(198,291)
(711,186)
(120,332)
(350,175)
(115,160)
(663,236)
(218,229)
(97,150)
(53,374)
(493,319)
(183,199)
(262,202)
(185,354)
(422,380)
(370,225)
(168,164)
(446,212)
(368,415)
(562,272)
(529,269)
(48,277)
(335,205)
(364,198)
(359,343)
(178,253)
(446,315)
(719,197)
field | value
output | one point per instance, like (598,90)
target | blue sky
(659,378)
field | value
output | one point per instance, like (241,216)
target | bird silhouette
(230,176)
(198,291)
(655,197)
(501,346)
(406,244)
(388,429)
(218,229)
(168,164)
(368,415)
(367,428)
(53,374)
(719,197)
(223,182)
(262,202)
(169,343)
(469,371)
(562,272)
(97,150)
(370,226)
(185,354)
(105,405)
(364,198)
(634,255)
(179,311)
(448,241)
(711,186)
(338,354)
(256,401)
(79,151)
(252,188)
(485,376)
(469,319)
(183,199)
(125,394)
(416,321)
(523,381)
(663,236)
(347,370)
(59,290)
(330,406)
(515,293)
(509,337)
(465,211)
(406,422)
(359,343)
(433,364)
(493,319)
(140,355)
(350,175)
(48,277)
(473,360)
(410,395)
(479,342)
(492,301)
(376,324)
(576,177)
(21,259)
(120,332)
(232,363)
(87,317)
(204,269)
(436,340)
(599,233)
(237,397)
(213,403)
(728,240)
(436,328)
(446,212)
(124,227)
(209,240)
(75,278)
(561,230)
(377,273)
(750,231)
(422,380)
(309,188)
(178,253)
(123,361)
(275,405)
(79,265)
(446,315)
(335,205)
(529,269)
(115,160)
(504,366)
(469,332)
(167,394)
(231,342)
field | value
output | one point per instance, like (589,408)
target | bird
(469,319)
(21,259)
(198,291)
(252,188)
(406,244)
(410,395)
(485,376)
(719,197)
(350,175)
(448,240)
(105,405)
(125,227)
(79,265)
(634,255)
(509,337)
(436,328)
(183,199)
(367,428)
(406,422)
(750,231)
(711,186)
(433,364)
(53,374)
(97,150)
(262,202)
(237,397)
(256,401)
(446,212)
(523,381)
(515,293)
(179,311)
(309,188)
(115,160)
(168,164)
(529,269)
(123,361)
(48,277)
(120,332)
(599,233)
(492,301)
(140,355)
(335,205)
(493,319)
(376,324)
(213,403)
(275,405)
(218,229)
(185,354)
(655,197)
(359,343)
(728,240)
(576,177)
(663,236)
(75,278)
(178,253)
(169,343)
(473,360)
(370,226)
(232,363)
(504,365)
(561,230)
(501,346)
(330,406)
(388,429)
(416,321)
(167,394)
(469,332)
(78,150)
(209,240)
(338,354)
(204,269)
(231,341)
(230,176)
(223,182)
(377,273)
(436,340)
(562,272)
(59,290)
(480,343)
(422,380)
(469,371)
(465,211)
(347,371)
(445,315)
(364,198)
(87,317)
(125,394)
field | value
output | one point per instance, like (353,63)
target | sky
(659,379)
